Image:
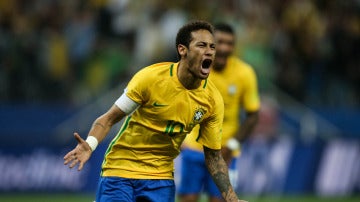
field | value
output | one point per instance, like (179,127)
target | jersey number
(173,127)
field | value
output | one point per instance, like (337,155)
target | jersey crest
(198,116)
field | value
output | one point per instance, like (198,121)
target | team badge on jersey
(198,115)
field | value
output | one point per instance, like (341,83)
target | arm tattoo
(98,124)
(219,172)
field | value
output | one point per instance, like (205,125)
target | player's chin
(203,76)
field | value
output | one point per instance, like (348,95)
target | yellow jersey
(150,138)
(237,84)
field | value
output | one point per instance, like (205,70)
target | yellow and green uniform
(237,84)
(150,138)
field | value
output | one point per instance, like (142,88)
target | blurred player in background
(163,103)
(237,84)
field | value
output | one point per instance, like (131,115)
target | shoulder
(240,64)
(241,69)
(153,71)
(157,68)
(141,85)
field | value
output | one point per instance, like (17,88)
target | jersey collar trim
(171,69)
(204,86)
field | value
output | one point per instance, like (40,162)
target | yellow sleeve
(210,133)
(137,87)
(251,100)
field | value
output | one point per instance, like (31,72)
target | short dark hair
(224,27)
(184,34)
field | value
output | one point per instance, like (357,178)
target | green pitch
(90,198)
(46,197)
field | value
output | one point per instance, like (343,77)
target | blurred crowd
(65,51)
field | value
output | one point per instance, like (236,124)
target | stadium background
(64,62)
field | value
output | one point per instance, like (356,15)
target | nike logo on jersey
(159,105)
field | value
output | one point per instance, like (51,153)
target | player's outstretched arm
(219,171)
(100,128)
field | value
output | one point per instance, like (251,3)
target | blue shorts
(117,189)
(195,177)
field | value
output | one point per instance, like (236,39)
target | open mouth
(206,63)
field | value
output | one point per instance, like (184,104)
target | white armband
(92,141)
(126,104)
(233,144)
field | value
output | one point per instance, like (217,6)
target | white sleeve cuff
(126,104)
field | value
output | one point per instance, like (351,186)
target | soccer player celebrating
(237,84)
(163,102)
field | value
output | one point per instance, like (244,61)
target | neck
(186,78)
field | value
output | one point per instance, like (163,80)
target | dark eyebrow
(204,43)
(201,42)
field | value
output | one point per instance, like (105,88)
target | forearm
(219,171)
(248,126)
(102,125)
(100,129)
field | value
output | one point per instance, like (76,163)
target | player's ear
(182,50)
